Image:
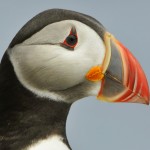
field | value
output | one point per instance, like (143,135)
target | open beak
(123,79)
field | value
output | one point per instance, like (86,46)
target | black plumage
(51,16)
(24,117)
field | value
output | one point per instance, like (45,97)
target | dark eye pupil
(71,40)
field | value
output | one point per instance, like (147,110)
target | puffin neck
(24,117)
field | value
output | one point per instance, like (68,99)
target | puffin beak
(122,78)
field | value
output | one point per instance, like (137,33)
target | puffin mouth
(123,78)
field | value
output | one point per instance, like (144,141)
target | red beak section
(135,81)
(123,79)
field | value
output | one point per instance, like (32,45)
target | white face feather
(47,69)
(52,143)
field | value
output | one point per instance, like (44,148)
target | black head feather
(51,16)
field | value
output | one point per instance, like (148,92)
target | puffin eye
(71,41)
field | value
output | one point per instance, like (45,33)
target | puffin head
(65,55)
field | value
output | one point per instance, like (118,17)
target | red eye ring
(71,41)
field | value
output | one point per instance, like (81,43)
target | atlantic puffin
(57,58)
